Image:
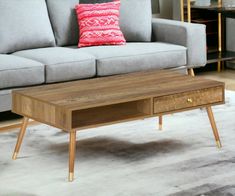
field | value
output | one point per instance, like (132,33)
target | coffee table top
(116,89)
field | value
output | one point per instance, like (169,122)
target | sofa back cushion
(135,20)
(24,24)
(64,21)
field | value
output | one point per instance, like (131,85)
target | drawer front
(188,100)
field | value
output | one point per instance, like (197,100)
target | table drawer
(188,100)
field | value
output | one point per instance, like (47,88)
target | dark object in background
(155,7)
(8,116)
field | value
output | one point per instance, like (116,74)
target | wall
(166,8)
(230,39)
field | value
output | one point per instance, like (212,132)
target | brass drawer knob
(189,100)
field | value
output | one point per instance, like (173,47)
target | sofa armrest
(192,36)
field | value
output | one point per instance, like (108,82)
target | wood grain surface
(63,105)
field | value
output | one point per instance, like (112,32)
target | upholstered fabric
(192,36)
(181,69)
(5,100)
(64,21)
(24,24)
(136,57)
(135,20)
(18,71)
(62,64)
(99,24)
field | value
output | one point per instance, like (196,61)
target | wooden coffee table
(73,106)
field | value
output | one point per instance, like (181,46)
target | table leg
(72,152)
(20,137)
(214,127)
(160,122)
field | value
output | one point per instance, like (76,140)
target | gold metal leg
(213,125)
(160,122)
(219,66)
(191,72)
(182,10)
(20,137)
(72,151)
(189,10)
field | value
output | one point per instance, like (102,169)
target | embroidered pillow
(99,24)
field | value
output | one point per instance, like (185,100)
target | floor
(227,76)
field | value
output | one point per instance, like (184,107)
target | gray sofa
(38,44)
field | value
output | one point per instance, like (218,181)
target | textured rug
(127,159)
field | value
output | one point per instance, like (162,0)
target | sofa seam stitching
(148,54)
(24,68)
(68,62)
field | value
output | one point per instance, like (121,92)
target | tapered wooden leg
(213,125)
(72,151)
(20,137)
(160,122)
(191,72)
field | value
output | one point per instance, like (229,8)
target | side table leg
(214,127)
(20,137)
(72,151)
(160,122)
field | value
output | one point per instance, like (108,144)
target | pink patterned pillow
(99,24)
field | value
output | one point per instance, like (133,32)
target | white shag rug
(126,159)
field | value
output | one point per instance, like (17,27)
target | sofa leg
(191,72)
(160,122)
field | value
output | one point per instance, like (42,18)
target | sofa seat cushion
(5,100)
(24,24)
(62,64)
(136,57)
(17,71)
